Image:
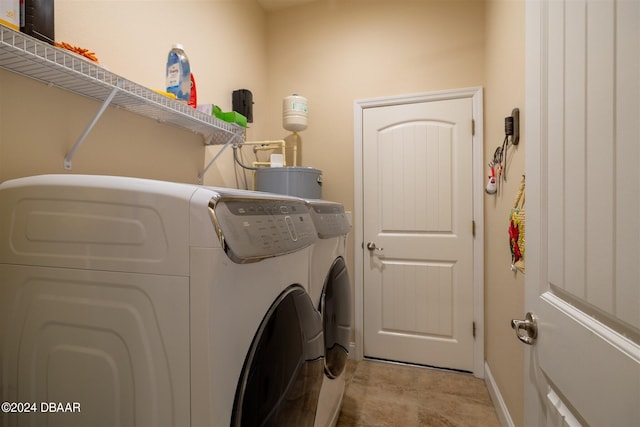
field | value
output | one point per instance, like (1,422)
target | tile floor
(380,394)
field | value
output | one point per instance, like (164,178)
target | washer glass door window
(335,306)
(282,374)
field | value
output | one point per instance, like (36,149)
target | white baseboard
(501,408)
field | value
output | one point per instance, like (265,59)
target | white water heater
(294,113)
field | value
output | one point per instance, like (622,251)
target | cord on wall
(498,165)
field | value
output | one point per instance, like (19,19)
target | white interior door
(417,224)
(583,204)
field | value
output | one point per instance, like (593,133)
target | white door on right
(583,213)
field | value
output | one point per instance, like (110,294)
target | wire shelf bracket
(68,159)
(224,147)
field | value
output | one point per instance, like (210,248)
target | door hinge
(473,127)
(474,329)
(473,228)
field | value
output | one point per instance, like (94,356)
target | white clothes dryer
(330,290)
(150,303)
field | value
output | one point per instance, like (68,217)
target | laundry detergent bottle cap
(178,75)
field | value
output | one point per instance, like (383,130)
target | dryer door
(282,374)
(336,316)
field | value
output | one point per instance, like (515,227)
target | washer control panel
(253,229)
(329,219)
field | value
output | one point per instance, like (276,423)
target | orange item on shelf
(78,50)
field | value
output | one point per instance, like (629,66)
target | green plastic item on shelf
(230,116)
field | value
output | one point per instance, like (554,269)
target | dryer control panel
(329,219)
(251,229)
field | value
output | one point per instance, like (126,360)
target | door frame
(533,170)
(475,94)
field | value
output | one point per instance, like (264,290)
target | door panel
(421,310)
(415,175)
(583,195)
(418,210)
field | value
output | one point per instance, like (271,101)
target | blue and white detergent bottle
(178,73)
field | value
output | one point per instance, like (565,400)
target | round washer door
(282,374)
(335,306)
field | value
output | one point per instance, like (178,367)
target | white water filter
(294,113)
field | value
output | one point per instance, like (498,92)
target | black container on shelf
(37,19)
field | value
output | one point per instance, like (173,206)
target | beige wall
(331,51)
(38,124)
(504,290)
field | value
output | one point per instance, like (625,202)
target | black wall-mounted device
(512,126)
(37,19)
(243,103)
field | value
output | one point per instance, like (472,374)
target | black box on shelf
(37,19)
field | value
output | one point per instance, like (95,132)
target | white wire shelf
(41,61)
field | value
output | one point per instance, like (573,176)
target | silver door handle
(526,330)
(372,247)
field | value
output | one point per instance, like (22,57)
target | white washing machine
(147,303)
(330,290)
